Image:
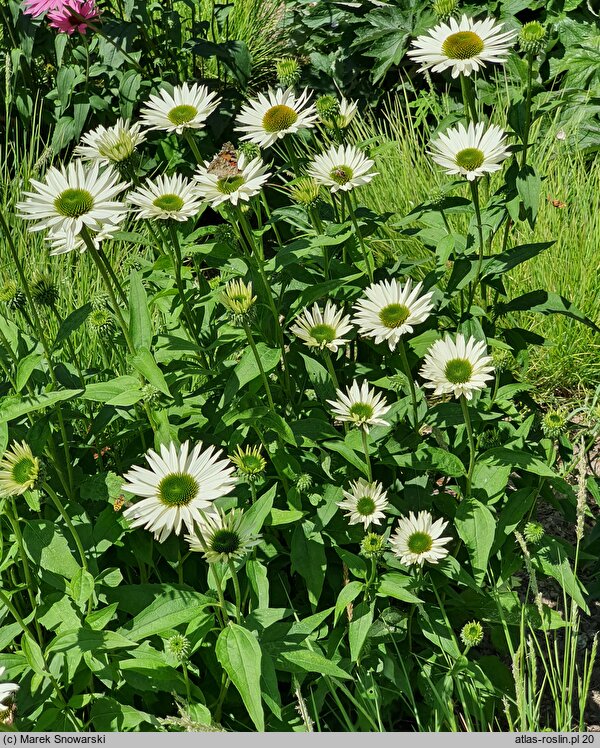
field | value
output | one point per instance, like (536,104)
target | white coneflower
(365,502)
(237,297)
(272,116)
(348,110)
(417,539)
(186,107)
(342,168)
(6,690)
(222,537)
(62,242)
(72,198)
(470,151)
(457,367)
(360,406)
(19,470)
(179,488)
(167,198)
(237,184)
(322,329)
(110,145)
(464,46)
(389,310)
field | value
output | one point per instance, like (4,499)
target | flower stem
(475,195)
(467,417)
(193,145)
(219,586)
(238,594)
(468,97)
(527,126)
(330,369)
(366,255)
(411,382)
(187,312)
(367,456)
(263,375)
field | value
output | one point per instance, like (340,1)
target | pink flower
(36,8)
(64,19)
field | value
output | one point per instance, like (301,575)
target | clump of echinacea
(73,198)
(74,16)
(470,151)
(342,168)
(322,329)
(178,489)
(365,502)
(360,405)
(457,367)
(418,539)
(234,180)
(111,145)
(19,470)
(274,115)
(187,107)
(390,310)
(462,46)
(173,198)
(222,537)
(7,690)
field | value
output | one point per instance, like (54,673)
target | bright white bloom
(360,406)
(223,537)
(389,310)
(417,539)
(237,183)
(365,502)
(472,151)
(186,107)
(457,367)
(110,145)
(174,198)
(464,46)
(62,242)
(272,116)
(73,197)
(322,329)
(348,110)
(19,470)
(180,488)
(342,168)
(6,690)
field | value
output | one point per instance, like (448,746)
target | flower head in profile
(458,367)
(228,178)
(187,107)
(110,145)
(73,16)
(360,405)
(342,168)
(462,46)
(6,690)
(336,114)
(274,115)
(249,462)
(417,539)
(74,197)
(37,8)
(223,537)
(172,198)
(237,297)
(19,470)
(470,151)
(178,489)
(390,310)
(364,502)
(322,329)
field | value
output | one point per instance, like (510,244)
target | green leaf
(545,302)
(71,323)
(144,362)
(33,654)
(308,559)
(48,548)
(239,653)
(394,585)
(529,187)
(81,587)
(140,324)
(16,407)
(476,527)
(305,660)
(169,610)
(362,619)
(105,392)
(431,458)
(246,370)
(551,559)
(109,715)
(348,593)
(254,518)
(501,263)
(25,369)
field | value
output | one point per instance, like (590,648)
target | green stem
(467,417)
(411,382)
(219,586)
(468,97)
(193,145)
(67,520)
(367,456)
(365,253)
(330,369)
(527,109)
(475,195)
(187,682)
(263,375)
(113,275)
(238,594)
(187,311)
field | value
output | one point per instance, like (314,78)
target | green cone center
(24,471)
(458,371)
(470,158)
(361,411)
(394,315)
(177,489)
(118,150)
(182,114)
(365,506)
(323,334)
(278,118)
(463,45)
(168,203)
(341,174)
(225,541)
(251,464)
(74,203)
(227,185)
(419,542)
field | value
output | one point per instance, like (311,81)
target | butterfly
(225,163)
(556,203)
